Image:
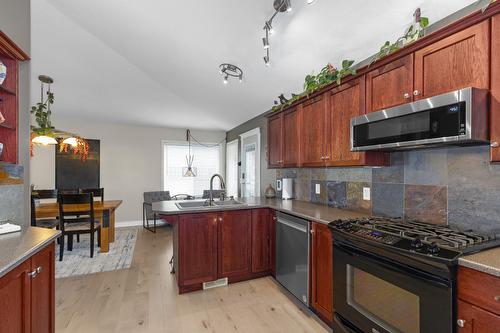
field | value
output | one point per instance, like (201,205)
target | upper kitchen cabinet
(275,141)
(390,85)
(345,102)
(495,90)
(458,61)
(291,138)
(313,132)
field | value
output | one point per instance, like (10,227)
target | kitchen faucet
(222,187)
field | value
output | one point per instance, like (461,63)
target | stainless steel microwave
(456,118)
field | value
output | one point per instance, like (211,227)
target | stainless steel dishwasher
(292,255)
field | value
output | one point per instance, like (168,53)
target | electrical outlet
(278,185)
(318,189)
(366,193)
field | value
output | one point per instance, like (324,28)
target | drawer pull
(494,144)
(497,298)
(406,95)
(461,323)
(416,93)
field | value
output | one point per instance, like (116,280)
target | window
(207,161)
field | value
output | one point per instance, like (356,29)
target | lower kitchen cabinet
(478,302)
(196,244)
(322,271)
(472,319)
(261,239)
(27,295)
(234,244)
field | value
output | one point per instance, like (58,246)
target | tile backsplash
(456,186)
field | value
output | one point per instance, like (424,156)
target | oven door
(375,295)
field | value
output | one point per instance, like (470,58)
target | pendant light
(189,171)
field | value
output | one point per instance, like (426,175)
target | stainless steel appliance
(292,255)
(398,277)
(456,118)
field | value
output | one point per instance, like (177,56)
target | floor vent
(215,284)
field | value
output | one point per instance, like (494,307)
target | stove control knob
(417,243)
(433,249)
(344,225)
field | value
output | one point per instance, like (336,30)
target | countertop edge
(484,268)
(5,269)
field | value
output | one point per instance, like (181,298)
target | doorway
(250,163)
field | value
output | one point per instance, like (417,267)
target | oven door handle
(390,265)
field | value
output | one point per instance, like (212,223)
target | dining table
(104,211)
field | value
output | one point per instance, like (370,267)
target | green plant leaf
(424,22)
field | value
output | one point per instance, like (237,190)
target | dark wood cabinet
(458,61)
(478,306)
(345,102)
(390,85)
(275,141)
(234,244)
(15,300)
(322,271)
(261,239)
(313,132)
(42,291)
(27,295)
(291,138)
(272,243)
(472,319)
(495,89)
(197,249)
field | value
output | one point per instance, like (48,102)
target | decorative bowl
(3,72)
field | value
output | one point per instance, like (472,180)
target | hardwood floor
(144,299)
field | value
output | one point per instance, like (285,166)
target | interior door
(458,61)
(495,89)
(250,163)
(346,102)
(313,131)
(390,85)
(234,240)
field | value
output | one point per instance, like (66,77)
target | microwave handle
(394,266)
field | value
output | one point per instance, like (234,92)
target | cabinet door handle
(461,323)
(494,144)
(327,157)
(33,274)
(39,269)
(220,219)
(322,158)
(406,95)
(416,93)
(497,298)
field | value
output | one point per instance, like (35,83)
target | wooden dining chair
(76,217)
(96,192)
(43,222)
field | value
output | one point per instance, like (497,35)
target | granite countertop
(314,212)
(485,261)
(16,247)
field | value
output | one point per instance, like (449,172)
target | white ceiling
(155,62)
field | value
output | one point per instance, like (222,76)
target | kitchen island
(233,242)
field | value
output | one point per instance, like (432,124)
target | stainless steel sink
(204,204)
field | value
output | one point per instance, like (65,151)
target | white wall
(130,159)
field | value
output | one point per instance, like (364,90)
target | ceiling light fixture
(265,41)
(310,1)
(280,6)
(229,70)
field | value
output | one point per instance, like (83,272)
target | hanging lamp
(189,171)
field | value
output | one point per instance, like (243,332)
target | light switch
(318,188)
(366,193)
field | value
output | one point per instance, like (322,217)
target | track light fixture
(310,1)
(229,70)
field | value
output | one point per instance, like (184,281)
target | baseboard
(127,224)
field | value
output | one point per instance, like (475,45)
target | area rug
(78,261)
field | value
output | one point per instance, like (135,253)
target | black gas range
(394,276)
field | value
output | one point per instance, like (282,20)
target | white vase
(3,72)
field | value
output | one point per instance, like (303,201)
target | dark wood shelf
(7,90)
(7,126)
